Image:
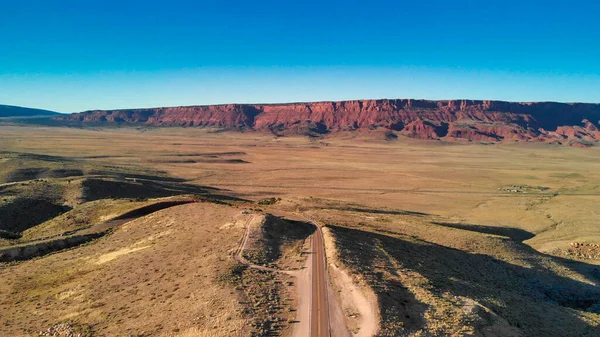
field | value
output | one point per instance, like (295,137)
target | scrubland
(454,239)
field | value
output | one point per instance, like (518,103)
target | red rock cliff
(453,119)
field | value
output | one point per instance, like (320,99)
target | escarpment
(566,123)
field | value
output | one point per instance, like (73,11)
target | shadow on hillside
(520,235)
(275,234)
(515,234)
(64,173)
(23,174)
(35,156)
(372,210)
(96,188)
(205,154)
(279,231)
(21,214)
(535,299)
(31,173)
(195,161)
(131,176)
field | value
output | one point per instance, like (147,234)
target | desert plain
(438,238)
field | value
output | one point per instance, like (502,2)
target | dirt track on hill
(313,300)
(319,317)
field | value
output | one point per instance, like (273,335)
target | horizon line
(310,102)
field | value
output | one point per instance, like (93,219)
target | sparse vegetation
(445,248)
(9,235)
(267,302)
(524,189)
(155,276)
(278,243)
(14,219)
(233,274)
(68,329)
(434,280)
(269,201)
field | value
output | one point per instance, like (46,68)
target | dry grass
(69,193)
(459,181)
(82,216)
(439,278)
(429,223)
(270,296)
(117,288)
(278,243)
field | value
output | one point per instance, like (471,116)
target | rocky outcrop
(425,130)
(490,121)
(229,116)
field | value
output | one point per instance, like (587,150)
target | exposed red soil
(565,123)
(423,130)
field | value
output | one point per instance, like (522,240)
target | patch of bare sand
(303,278)
(137,246)
(358,301)
(104,258)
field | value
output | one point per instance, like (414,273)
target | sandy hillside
(156,274)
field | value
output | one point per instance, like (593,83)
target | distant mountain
(17,111)
(450,120)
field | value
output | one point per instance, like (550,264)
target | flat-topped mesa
(229,116)
(476,120)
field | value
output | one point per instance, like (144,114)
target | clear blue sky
(84,54)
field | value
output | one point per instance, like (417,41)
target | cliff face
(449,120)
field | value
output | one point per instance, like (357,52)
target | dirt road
(319,316)
(313,307)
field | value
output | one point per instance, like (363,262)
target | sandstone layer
(489,121)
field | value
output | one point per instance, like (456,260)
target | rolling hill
(17,111)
